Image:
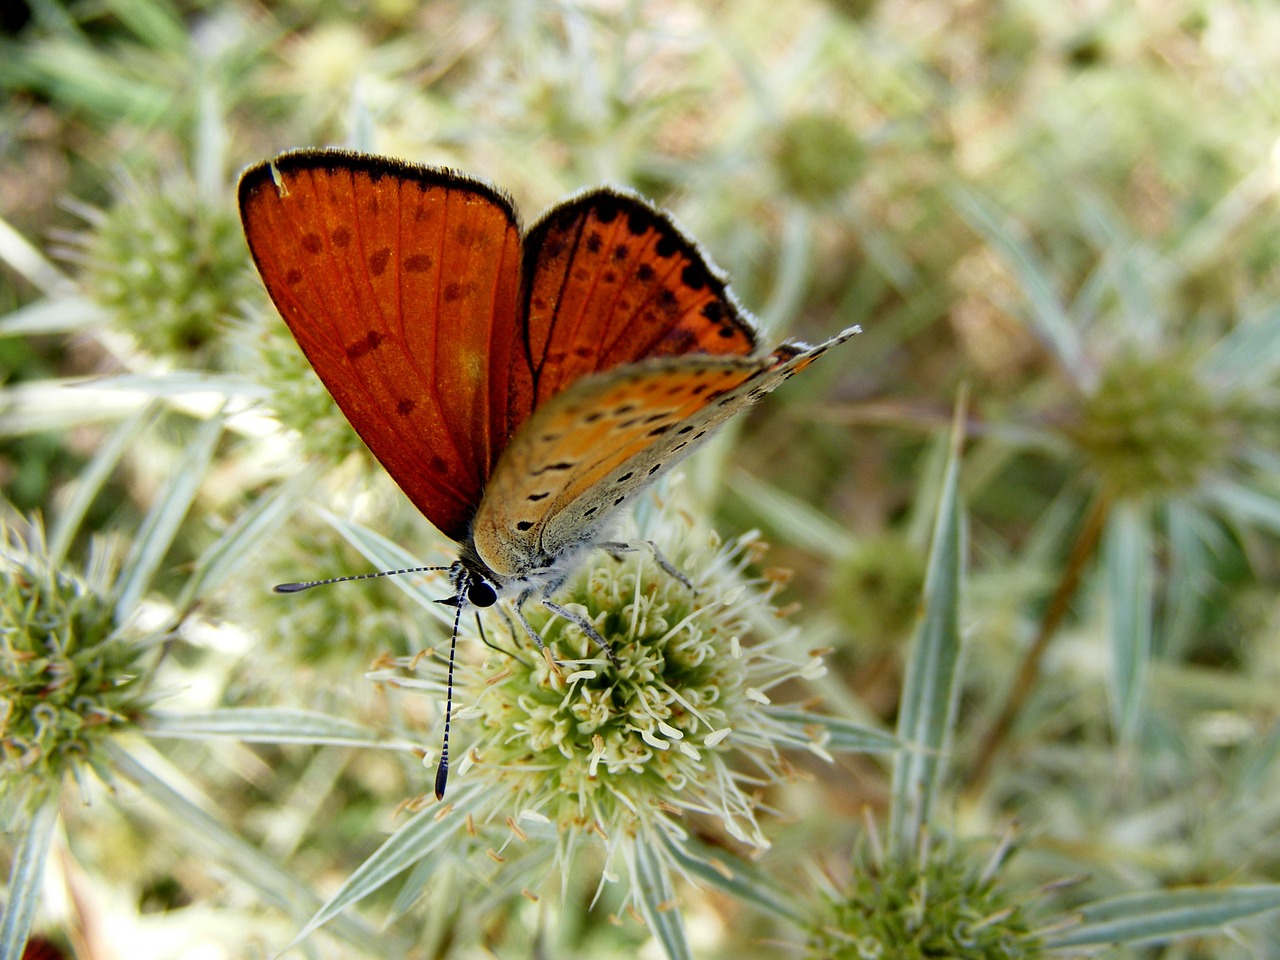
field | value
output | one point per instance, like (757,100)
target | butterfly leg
(521,600)
(581,622)
(618,548)
(533,634)
(511,629)
(586,626)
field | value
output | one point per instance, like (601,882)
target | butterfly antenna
(308,584)
(442,771)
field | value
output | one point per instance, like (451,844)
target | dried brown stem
(1029,671)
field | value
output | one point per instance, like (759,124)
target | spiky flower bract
(70,673)
(683,725)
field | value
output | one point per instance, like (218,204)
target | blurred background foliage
(1071,208)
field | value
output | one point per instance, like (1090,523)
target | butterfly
(520,386)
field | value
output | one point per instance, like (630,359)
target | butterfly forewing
(609,280)
(401,285)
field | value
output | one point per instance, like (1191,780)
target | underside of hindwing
(584,454)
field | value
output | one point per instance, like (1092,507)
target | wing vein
(555,316)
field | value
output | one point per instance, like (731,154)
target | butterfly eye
(481,595)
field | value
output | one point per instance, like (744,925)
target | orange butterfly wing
(610,280)
(401,285)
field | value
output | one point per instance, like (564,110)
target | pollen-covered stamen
(597,754)
(681,681)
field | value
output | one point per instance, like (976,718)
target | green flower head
(684,724)
(169,268)
(70,674)
(936,903)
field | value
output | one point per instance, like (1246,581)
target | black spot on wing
(694,276)
(370,342)
(553,467)
(639,221)
(607,208)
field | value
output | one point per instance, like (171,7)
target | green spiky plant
(84,672)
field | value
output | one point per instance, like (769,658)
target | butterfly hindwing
(581,457)
(401,285)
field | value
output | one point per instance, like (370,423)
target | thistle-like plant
(1169,428)
(923,891)
(81,686)
(582,761)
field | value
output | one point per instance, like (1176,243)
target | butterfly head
(473,583)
